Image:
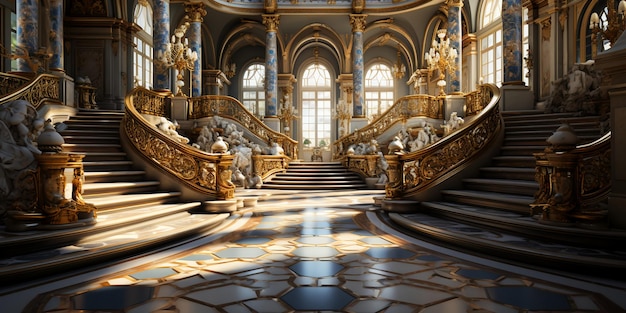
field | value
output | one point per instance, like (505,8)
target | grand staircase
(491,214)
(315,176)
(134,214)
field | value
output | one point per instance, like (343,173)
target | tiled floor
(330,258)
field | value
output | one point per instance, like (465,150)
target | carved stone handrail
(229,107)
(413,172)
(45,88)
(208,174)
(573,182)
(11,82)
(405,108)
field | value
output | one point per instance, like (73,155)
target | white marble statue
(169,128)
(452,124)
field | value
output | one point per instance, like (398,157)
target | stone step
(89,139)
(516,173)
(514,161)
(320,186)
(508,202)
(468,228)
(123,165)
(91,147)
(521,150)
(119,188)
(505,186)
(106,202)
(112,176)
(95,156)
(314,179)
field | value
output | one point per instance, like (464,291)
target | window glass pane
(316,105)
(379,83)
(253,84)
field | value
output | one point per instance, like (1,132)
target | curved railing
(229,107)
(572,183)
(405,108)
(416,171)
(208,174)
(44,88)
(11,82)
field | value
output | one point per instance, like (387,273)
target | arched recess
(209,56)
(316,34)
(583,33)
(247,33)
(385,33)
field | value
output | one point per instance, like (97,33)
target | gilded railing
(10,83)
(572,183)
(44,88)
(206,173)
(478,99)
(268,165)
(413,172)
(405,108)
(229,107)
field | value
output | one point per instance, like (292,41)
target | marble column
(512,40)
(455,34)
(358,26)
(27,31)
(160,38)
(196,12)
(271,65)
(56,35)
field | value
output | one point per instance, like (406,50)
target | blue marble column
(271,65)
(56,35)
(358,26)
(196,12)
(27,30)
(455,33)
(160,38)
(512,40)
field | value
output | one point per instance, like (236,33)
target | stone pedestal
(454,103)
(180,108)
(358,123)
(516,97)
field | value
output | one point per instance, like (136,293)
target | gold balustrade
(413,172)
(208,174)
(44,88)
(11,82)
(404,108)
(573,183)
(229,107)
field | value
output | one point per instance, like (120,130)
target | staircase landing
(316,176)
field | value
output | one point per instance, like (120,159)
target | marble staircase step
(84,139)
(469,231)
(118,188)
(107,165)
(107,202)
(496,200)
(91,147)
(505,186)
(112,176)
(520,173)
(514,161)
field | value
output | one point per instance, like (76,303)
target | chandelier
(398,69)
(179,56)
(615,24)
(442,57)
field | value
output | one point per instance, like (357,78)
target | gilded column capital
(357,21)
(454,3)
(195,11)
(271,22)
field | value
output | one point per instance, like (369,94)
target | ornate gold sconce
(398,69)
(229,70)
(442,57)
(179,56)
(287,112)
(609,29)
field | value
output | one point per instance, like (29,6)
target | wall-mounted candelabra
(287,115)
(179,56)
(611,28)
(442,57)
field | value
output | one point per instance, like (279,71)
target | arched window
(378,90)
(13,39)
(316,105)
(142,54)
(253,91)
(490,42)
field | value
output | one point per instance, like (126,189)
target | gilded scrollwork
(44,88)
(203,172)
(207,106)
(10,83)
(417,170)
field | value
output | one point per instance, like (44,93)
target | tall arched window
(253,91)
(142,54)
(378,90)
(490,42)
(316,105)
